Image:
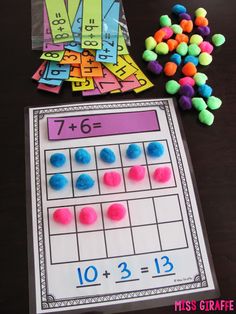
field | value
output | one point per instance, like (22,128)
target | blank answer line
(120,281)
(85,286)
(163,275)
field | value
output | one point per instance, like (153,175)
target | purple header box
(75,127)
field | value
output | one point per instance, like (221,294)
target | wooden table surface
(212,150)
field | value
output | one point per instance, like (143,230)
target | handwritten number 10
(90,274)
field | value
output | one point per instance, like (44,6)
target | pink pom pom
(62,216)
(112,178)
(162,174)
(187,80)
(116,212)
(87,215)
(169,32)
(205,46)
(136,173)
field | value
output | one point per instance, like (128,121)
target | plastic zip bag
(37,24)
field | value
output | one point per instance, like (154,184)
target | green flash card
(59,21)
(92,24)
(72,6)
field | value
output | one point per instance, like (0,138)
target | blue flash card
(57,71)
(73,46)
(50,81)
(111,11)
(77,25)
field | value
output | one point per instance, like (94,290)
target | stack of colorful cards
(84,44)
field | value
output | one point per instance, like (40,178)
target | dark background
(212,148)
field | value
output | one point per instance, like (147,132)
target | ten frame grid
(104,231)
(200,280)
(121,167)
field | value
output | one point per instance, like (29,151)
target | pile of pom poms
(190,47)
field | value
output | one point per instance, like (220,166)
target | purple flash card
(64,128)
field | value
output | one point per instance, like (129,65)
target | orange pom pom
(201,21)
(189,69)
(182,38)
(186,25)
(172,44)
(159,35)
(170,68)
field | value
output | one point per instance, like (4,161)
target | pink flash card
(129,83)
(48,88)
(37,75)
(107,83)
(91,92)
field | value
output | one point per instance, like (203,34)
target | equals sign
(144,270)
(97,125)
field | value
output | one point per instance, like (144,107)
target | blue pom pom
(58,181)
(57,160)
(176,58)
(178,9)
(107,155)
(82,156)
(133,151)
(155,149)
(205,90)
(84,182)
(191,59)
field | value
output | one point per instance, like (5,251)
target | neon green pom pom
(200,12)
(196,39)
(162,48)
(177,29)
(200,78)
(172,87)
(218,39)
(205,58)
(150,43)
(149,55)
(194,50)
(165,20)
(199,103)
(182,49)
(214,102)
(206,117)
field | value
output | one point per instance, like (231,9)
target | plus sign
(90,61)
(72,127)
(106,274)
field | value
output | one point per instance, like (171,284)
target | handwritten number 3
(124,270)
(167,263)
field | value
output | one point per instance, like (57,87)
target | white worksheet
(157,254)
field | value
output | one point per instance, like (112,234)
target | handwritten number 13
(167,264)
